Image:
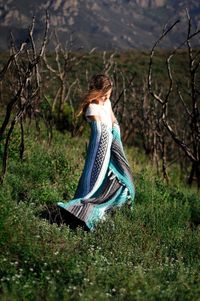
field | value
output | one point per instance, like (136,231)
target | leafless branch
(165,32)
(123,91)
(45,39)
(26,72)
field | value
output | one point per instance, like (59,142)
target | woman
(106,181)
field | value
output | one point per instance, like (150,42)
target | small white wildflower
(85,279)
(26,285)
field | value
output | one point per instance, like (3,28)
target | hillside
(148,253)
(105,24)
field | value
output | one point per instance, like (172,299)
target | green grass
(149,253)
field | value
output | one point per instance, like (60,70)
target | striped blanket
(106,181)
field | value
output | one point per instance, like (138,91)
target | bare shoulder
(108,102)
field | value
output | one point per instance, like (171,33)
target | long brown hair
(99,85)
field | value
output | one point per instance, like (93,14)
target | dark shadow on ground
(54,214)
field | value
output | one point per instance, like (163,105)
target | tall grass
(149,253)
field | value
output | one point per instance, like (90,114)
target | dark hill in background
(105,24)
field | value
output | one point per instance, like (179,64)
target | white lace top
(103,111)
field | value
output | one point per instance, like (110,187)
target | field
(149,253)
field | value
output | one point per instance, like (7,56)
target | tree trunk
(195,174)
(198,175)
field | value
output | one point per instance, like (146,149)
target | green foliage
(149,252)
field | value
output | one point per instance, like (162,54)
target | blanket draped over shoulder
(106,181)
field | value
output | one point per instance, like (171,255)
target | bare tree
(189,102)
(26,90)
(66,62)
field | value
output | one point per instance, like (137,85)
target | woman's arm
(114,119)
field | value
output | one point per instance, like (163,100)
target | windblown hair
(99,85)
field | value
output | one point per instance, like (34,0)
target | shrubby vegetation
(149,253)
(57,99)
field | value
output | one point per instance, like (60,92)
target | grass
(149,253)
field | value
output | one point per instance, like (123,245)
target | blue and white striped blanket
(106,181)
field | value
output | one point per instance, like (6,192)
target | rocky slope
(105,24)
